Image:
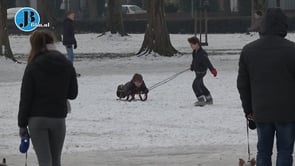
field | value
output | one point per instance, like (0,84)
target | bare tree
(4,40)
(156,37)
(92,8)
(115,19)
(227,10)
(45,9)
(278,3)
(259,4)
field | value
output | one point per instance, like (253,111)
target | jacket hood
(274,22)
(52,62)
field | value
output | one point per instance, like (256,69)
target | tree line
(156,37)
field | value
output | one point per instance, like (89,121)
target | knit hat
(137,77)
(24,145)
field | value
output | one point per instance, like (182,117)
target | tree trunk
(92,8)
(278,3)
(260,5)
(45,9)
(156,37)
(4,40)
(115,19)
(227,10)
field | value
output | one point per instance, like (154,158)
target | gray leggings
(47,135)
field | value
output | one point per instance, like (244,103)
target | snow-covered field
(167,119)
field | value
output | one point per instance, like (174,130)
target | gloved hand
(251,123)
(24,133)
(214,72)
(75,45)
(191,67)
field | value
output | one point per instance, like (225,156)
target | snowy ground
(165,130)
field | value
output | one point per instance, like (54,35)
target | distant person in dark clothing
(48,81)
(135,86)
(69,40)
(200,64)
(256,25)
(266,83)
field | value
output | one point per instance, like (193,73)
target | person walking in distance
(200,64)
(69,40)
(48,81)
(256,26)
(266,83)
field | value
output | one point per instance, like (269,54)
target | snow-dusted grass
(168,118)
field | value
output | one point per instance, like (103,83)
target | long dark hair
(38,40)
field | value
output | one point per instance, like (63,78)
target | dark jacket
(201,62)
(68,33)
(47,83)
(266,78)
(131,89)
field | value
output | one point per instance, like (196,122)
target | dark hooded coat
(131,89)
(69,33)
(266,77)
(48,81)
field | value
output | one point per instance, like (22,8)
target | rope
(248,140)
(167,79)
(26,163)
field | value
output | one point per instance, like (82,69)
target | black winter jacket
(201,62)
(266,78)
(68,33)
(47,83)
(130,88)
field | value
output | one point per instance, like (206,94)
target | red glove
(214,72)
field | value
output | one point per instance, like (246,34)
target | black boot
(209,99)
(201,101)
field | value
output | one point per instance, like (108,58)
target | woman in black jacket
(48,81)
(200,64)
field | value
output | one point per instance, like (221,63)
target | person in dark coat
(135,86)
(200,64)
(69,40)
(48,81)
(256,26)
(266,83)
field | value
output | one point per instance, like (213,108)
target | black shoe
(209,100)
(201,101)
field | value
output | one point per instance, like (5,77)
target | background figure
(48,81)
(200,65)
(69,35)
(266,83)
(256,26)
